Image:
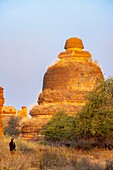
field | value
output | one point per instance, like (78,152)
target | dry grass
(34,156)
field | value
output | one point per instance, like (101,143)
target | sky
(33,33)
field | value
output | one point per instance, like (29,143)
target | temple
(65,86)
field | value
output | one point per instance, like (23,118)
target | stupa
(1,105)
(66,83)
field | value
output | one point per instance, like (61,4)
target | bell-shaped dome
(68,81)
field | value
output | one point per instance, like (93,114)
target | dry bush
(34,156)
(109,164)
(26,146)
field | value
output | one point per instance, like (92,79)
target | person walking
(12,146)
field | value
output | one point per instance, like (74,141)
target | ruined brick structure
(65,84)
(23,112)
(7,113)
(1,105)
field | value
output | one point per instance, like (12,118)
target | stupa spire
(74,49)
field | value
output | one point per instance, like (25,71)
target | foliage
(13,126)
(96,117)
(59,128)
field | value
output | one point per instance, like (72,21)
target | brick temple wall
(1,105)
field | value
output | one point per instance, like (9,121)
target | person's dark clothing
(12,146)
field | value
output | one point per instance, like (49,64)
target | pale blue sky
(33,33)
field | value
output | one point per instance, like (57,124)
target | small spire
(74,43)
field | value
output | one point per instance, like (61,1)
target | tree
(59,128)
(96,117)
(13,126)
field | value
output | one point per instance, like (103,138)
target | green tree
(59,127)
(96,117)
(13,126)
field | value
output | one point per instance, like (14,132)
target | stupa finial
(74,43)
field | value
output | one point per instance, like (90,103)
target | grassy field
(34,156)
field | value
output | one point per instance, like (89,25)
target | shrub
(59,127)
(95,119)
